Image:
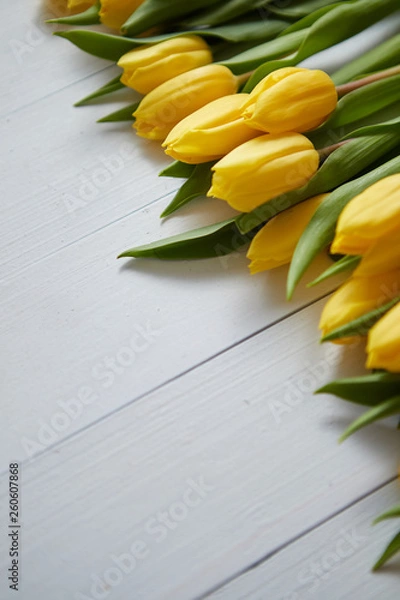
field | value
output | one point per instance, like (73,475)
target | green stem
(346,88)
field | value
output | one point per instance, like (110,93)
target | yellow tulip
(384,342)
(264,168)
(114,13)
(275,243)
(291,99)
(357,297)
(77,6)
(172,101)
(369,216)
(382,257)
(148,67)
(210,132)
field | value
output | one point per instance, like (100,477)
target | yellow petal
(384,342)
(382,257)
(148,67)
(210,132)
(291,99)
(172,101)
(77,6)
(264,168)
(114,13)
(276,242)
(369,216)
(357,297)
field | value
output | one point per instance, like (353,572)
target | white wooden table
(170,446)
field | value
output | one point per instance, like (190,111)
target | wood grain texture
(85,339)
(245,426)
(80,319)
(34,63)
(331,562)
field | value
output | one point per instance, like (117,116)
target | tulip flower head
(264,168)
(114,13)
(148,67)
(368,217)
(211,132)
(384,342)
(382,257)
(172,101)
(357,297)
(291,99)
(275,243)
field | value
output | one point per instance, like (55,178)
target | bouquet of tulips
(309,162)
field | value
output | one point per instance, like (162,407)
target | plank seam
(295,539)
(168,382)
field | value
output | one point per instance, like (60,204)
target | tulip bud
(264,168)
(291,99)
(369,216)
(275,243)
(114,13)
(172,101)
(210,132)
(357,297)
(384,342)
(382,257)
(78,6)
(148,67)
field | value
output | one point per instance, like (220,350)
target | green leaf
(103,45)
(88,17)
(388,408)
(347,263)
(124,114)
(320,231)
(343,21)
(368,390)
(378,129)
(300,10)
(391,550)
(207,242)
(112,47)
(247,31)
(251,59)
(343,164)
(158,12)
(360,326)
(197,185)
(384,56)
(178,169)
(393,513)
(223,12)
(112,86)
(363,102)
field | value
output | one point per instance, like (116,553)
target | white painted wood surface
(124,383)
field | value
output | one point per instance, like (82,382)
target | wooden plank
(333,561)
(73,177)
(79,319)
(34,63)
(202,478)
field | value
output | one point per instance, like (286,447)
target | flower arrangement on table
(310,161)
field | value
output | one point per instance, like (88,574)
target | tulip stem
(344,89)
(325,152)
(244,77)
